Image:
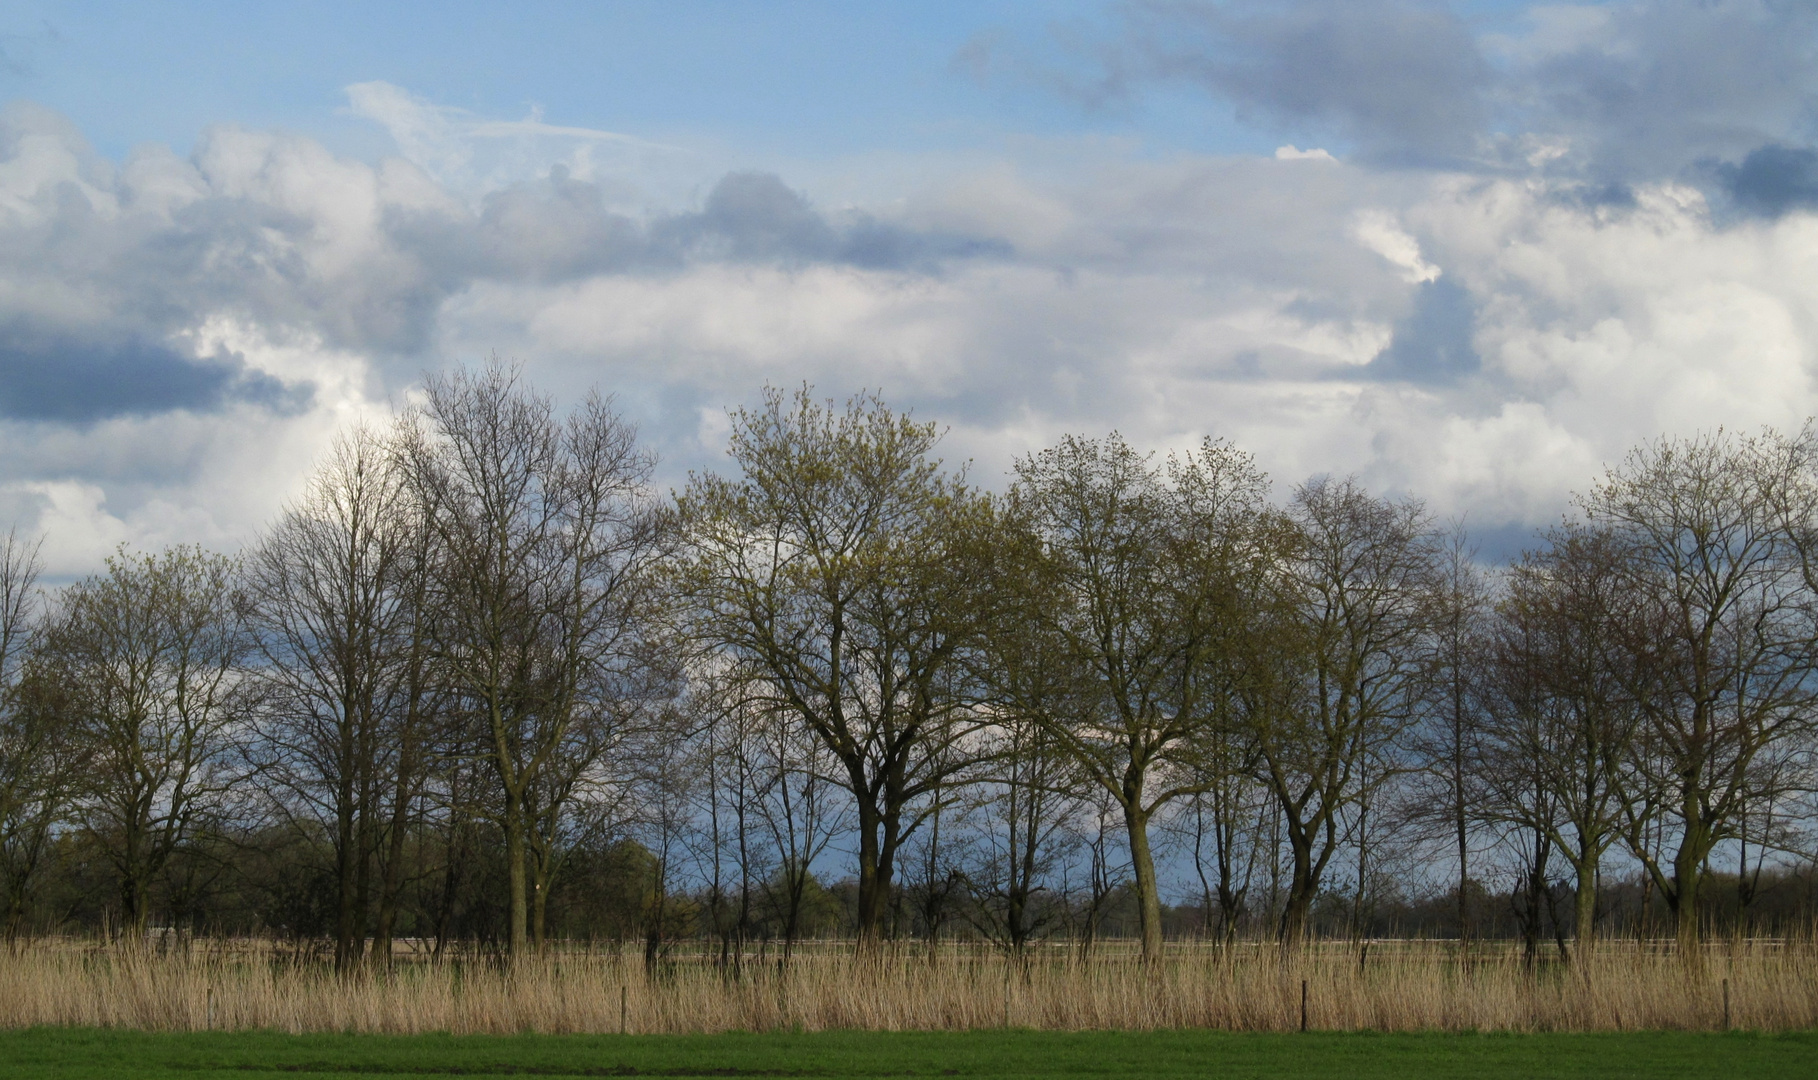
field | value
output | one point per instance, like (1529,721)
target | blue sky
(802,79)
(1470,251)
(797,78)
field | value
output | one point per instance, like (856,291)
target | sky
(1470,252)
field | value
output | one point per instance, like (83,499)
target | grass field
(83,1052)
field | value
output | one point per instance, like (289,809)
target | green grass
(54,1052)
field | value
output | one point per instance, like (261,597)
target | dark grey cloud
(1648,88)
(1595,197)
(1433,343)
(57,378)
(559,228)
(1401,80)
(879,245)
(1772,180)
(553,229)
(1503,542)
(241,256)
(1607,92)
(755,217)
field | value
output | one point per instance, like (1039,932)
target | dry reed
(1403,986)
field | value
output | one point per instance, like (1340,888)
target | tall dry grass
(1403,986)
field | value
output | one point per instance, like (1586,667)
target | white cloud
(471,154)
(1377,230)
(428,135)
(77,530)
(1244,297)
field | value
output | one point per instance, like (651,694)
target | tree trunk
(132,907)
(1531,924)
(1464,855)
(1584,914)
(15,907)
(1143,863)
(346,844)
(391,881)
(133,874)
(366,828)
(1687,874)
(872,883)
(514,864)
(1295,912)
(362,902)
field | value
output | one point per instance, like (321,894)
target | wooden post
(624,1006)
(1726,1004)
(211,1008)
(1303,1004)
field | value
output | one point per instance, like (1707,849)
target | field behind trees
(487,734)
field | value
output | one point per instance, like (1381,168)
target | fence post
(624,1006)
(1303,1004)
(1726,1004)
(211,1008)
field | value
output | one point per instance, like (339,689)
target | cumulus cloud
(266,285)
(1379,232)
(1479,299)
(1295,153)
(1554,333)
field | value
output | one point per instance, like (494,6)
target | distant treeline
(480,683)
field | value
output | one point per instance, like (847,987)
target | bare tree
(1229,815)
(1105,874)
(579,797)
(1030,799)
(1559,722)
(147,662)
(1136,575)
(932,879)
(834,570)
(1725,639)
(731,840)
(800,810)
(1442,796)
(543,534)
(38,759)
(336,599)
(1337,667)
(1227,812)
(667,778)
